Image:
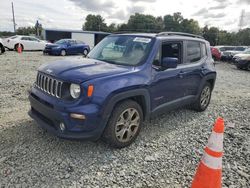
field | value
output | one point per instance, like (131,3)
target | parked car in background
(26,42)
(228,54)
(111,92)
(216,54)
(223,49)
(242,61)
(67,47)
(2,49)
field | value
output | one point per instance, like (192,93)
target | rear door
(72,48)
(193,67)
(26,42)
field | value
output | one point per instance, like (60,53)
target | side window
(193,51)
(172,49)
(203,50)
(25,38)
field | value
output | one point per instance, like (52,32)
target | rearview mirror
(169,62)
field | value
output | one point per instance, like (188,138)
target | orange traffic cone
(209,171)
(19,48)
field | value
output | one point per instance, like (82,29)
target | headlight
(75,90)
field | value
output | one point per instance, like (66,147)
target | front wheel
(2,50)
(63,53)
(203,100)
(124,124)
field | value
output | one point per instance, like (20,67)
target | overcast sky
(70,14)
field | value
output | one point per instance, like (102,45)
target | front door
(167,85)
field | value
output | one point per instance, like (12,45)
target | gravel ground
(165,154)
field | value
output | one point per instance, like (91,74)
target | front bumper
(241,63)
(52,51)
(48,116)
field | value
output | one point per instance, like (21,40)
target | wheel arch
(17,45)
(141,96)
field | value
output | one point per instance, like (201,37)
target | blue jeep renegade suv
(124,80)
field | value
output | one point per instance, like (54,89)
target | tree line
(149,23)
(175,22)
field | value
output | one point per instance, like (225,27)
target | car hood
(82,69)
(242,55)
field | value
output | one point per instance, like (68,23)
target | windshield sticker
(141,39)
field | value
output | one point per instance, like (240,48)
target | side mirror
(169,62)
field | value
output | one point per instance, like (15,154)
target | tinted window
(172,50)
(203,50)
(33,39)
(25,38)
(239,49)
(229,48)
(193,51)
(168,50)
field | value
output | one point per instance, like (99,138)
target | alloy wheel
(127,125)
(205,96)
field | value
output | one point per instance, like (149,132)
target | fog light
(62,126)
(77,116)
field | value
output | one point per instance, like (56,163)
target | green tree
(143,23)
(112,28)
(95,23)
(211,34)
(26,31)
(190,26)
(173,23)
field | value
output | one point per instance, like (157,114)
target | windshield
(62,41)
(124,50)
(246,51)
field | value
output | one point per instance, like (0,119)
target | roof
(76,31)
(167,35)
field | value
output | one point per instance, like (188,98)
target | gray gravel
(165,154)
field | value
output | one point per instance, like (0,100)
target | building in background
(89,37)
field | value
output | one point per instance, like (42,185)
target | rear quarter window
(193,51)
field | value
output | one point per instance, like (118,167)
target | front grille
(49,85)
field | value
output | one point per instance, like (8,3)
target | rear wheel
(85,52)
(63,52)
(203,100)
(124,124)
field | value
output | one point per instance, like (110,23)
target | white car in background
(26,42)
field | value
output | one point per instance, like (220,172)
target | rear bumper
(49,118)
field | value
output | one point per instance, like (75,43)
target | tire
(63,53)
(204,98)
(2,50)
(16,47)
(248,66)
(85,52)
(120,132)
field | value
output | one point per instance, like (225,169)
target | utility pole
(241,22)
(13,14)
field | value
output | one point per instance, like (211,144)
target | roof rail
(180,33)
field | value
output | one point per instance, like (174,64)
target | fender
(211,76)
(111,101)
